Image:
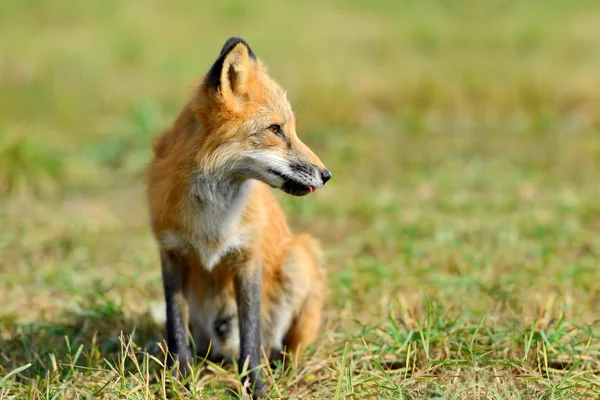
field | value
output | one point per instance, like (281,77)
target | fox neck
(218,190)
(217,199)
(218,204)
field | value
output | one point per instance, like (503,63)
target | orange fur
(220,140)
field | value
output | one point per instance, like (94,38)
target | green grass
(461,227)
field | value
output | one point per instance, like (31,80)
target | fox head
(249,126)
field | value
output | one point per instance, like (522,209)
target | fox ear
(230,73)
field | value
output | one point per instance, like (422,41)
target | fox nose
(325,175)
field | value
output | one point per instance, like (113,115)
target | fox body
(292,297)
(233,272)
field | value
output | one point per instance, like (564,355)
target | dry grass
(461,225)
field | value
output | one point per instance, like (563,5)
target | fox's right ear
(230,73)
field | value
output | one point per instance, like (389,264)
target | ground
(461,225)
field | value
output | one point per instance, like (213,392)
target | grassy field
(462,225)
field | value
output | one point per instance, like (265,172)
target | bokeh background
(461,226)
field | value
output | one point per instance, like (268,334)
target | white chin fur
(259,163)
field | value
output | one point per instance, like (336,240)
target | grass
(461,225)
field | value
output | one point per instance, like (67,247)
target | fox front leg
(173,275)
(248,288)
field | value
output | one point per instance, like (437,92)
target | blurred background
(463,141)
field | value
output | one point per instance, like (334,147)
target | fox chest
(209,252)
(213,230)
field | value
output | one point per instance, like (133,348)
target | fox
(235,277)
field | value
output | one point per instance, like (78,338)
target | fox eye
(276,129)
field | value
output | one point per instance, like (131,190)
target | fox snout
(321,172)
(303,179)
(306,171)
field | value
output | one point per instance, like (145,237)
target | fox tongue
(310,189)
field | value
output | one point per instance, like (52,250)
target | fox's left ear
(230,73)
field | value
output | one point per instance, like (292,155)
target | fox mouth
(292,186)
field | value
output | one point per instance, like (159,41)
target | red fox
(227,253)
